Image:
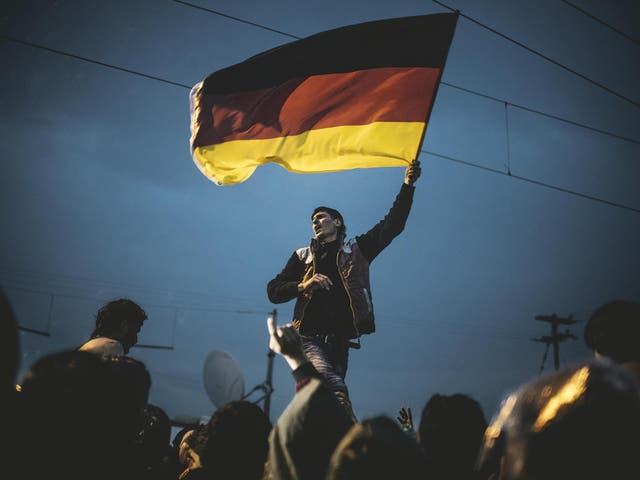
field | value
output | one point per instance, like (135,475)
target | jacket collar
(315,245)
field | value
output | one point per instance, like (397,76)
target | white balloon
(222,378)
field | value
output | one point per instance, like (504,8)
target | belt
(332,338)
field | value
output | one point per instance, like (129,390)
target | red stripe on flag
(322,101)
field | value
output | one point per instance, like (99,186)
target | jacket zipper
(346,289)
(313,272)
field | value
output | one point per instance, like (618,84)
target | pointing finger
(271,325)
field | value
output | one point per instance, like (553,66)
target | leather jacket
(354,259)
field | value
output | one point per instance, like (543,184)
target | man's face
(325,227)
(130,330)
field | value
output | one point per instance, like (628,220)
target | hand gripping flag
(354,97)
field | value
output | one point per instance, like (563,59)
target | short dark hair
(614,331)
(111,316)
(377,448)
(450,432)
(238,440)
(336,215)
(75,398)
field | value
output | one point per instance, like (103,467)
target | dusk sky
(528,202)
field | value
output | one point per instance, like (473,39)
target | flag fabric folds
(354,97)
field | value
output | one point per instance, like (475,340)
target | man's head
(377,448)
(238,440)
(80,416)
(614,331)
(582,422)
(120,320)
(328,224)
(450,432)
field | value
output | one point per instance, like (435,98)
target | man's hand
(316,282)
(412,173)
(286,341)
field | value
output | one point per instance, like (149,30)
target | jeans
(330,357)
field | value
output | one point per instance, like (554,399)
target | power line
(473,92)
(98,283)
(96,62)
(541,55)
(540,112)
(534,182)
(460,329)
(593,17)
(170,82)
(525,179)
(175,306)
(241,20)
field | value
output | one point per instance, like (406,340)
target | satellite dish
(222,378)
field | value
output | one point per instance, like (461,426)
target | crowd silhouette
(85,413)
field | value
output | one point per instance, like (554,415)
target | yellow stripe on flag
(380,144)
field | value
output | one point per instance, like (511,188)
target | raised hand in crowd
(286,342)
(406,419)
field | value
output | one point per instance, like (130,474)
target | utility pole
(267,386)
(556,337)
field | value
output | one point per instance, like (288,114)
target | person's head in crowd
(132,375)
(130,382)
(377,449)
(75,419)
(450,432)
(582,423)
(613,331)
(238,441)
(119,320)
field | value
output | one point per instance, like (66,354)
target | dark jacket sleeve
(377,239)
(284,286)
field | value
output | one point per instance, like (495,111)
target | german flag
(355,97)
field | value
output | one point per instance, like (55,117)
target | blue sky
(100,198)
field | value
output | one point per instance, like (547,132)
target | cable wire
(534,182)
(91,60)
(540,112)
(92,282)
(601,22)
(170,82)
(473,92)
(541,55)
(241,20)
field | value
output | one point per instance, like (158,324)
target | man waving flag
(354,97)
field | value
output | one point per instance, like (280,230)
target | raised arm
(381,235)
(286,341)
